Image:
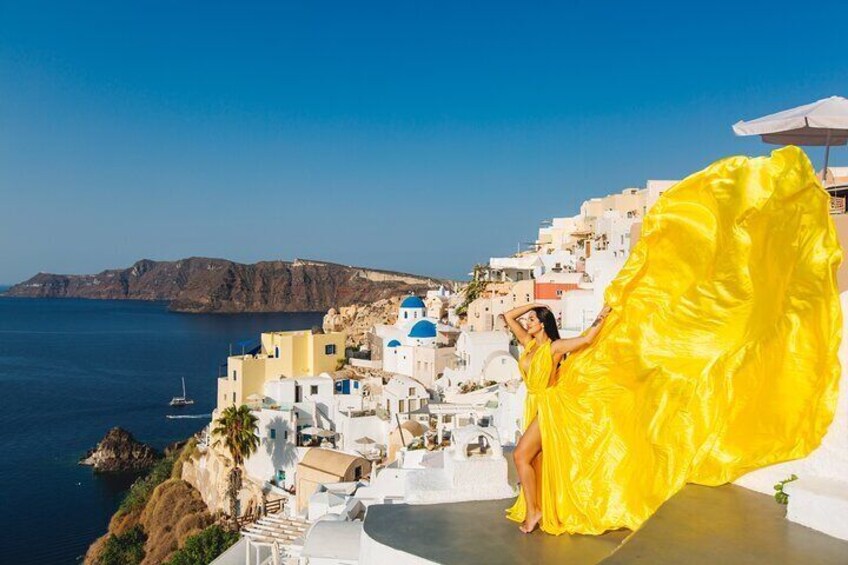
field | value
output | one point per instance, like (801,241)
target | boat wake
(187,416)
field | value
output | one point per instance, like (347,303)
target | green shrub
(204,547)
(125,549)
(185,454)
(142,488)
(779,495)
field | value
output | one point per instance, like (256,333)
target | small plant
(779,495)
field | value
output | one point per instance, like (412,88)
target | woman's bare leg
(529,446)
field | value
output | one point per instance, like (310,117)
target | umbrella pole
(826,157)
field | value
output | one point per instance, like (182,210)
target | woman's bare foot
(531,522)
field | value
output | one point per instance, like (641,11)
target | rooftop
(727,524)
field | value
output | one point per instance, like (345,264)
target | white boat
(181,400)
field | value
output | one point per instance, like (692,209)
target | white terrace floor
(724,525)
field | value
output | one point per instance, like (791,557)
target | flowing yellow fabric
(719,356)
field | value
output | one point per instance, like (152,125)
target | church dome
(423,329)
(394,343)
(412,302)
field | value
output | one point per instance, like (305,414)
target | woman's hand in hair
(511,318)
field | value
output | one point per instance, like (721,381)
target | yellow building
(281,355)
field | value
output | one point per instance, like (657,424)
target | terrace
(728,524)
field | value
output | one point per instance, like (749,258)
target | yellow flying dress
(719,356)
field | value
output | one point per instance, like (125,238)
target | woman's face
(532,323)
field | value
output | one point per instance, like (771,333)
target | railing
(275,506)
(272,507)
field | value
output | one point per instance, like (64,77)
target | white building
(472,468)
(402,395)
(437,303)
(514,269)
(277,457)
(481,357)
(288,406)
(508,416)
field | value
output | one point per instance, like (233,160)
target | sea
(72,369)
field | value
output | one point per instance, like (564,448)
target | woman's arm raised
(565,346)
(517,329)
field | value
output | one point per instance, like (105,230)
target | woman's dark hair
(548,320)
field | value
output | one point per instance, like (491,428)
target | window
(273,433)
(330,349)
(235,374)
(357,472)
(412,391)
(234,397)
(277,352)
(405,315)
(401,405)
(559,293)
(313,389)
(355,384)
(286,435)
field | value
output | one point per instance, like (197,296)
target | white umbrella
(311,431)
(365,440)
(822,123)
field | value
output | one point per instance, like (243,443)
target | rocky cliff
(357,320)
(119,451)
(217,285)
(157,516)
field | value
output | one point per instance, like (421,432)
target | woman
(719,355)
(543,352)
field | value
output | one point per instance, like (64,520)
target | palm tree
(237,428)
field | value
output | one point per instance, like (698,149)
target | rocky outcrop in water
(118,452)
(217,285)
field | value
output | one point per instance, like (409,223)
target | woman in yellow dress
(719,355)
(543,352)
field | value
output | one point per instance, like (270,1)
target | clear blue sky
(419,136)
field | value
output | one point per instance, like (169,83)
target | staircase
(285,536)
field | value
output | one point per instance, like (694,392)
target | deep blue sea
(70,370)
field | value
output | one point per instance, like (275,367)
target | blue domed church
(415,345)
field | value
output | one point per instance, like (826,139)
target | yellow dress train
(719,356)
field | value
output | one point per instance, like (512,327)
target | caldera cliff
(217,285)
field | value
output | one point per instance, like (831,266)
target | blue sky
(418,136)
